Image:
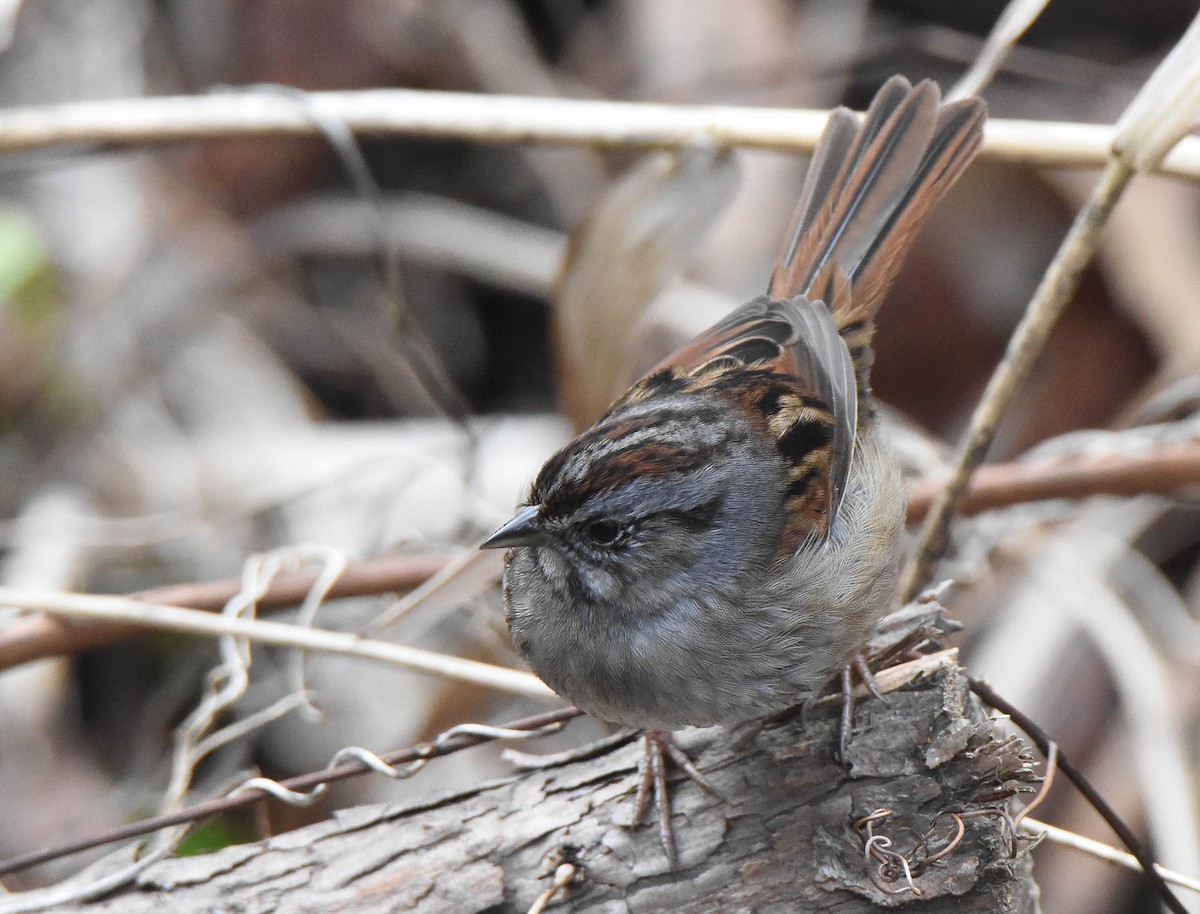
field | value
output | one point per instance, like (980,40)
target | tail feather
(867,190)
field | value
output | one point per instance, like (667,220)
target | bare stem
(1103,851)
(1052,294)
(511,119)
(197,622)
(1016,19)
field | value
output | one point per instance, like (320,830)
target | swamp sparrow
(724,539)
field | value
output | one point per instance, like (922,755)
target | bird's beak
(522,530)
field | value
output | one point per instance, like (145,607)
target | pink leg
(658,749)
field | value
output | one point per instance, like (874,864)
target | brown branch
(1164,469)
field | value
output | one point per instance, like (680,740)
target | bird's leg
(653,767)
(847,713)
(857,664)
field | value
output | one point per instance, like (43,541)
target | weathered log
(782,839)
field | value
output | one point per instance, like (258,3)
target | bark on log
(783,840)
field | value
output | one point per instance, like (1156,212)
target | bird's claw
(659,748)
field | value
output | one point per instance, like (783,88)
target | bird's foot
(653,768)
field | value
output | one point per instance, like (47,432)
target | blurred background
(198,362)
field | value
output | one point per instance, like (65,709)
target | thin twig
(1044,790)
(33,639)
(475,569)
(1164,110)
(1103,851)
(412,341)
(1052,294)
(301,783)
(1075,776)
(513,119)
(1016,19)
(1071,575)
(201,732)
(64,893)
(333,563)
(156,615)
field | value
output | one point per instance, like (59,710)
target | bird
(720,544)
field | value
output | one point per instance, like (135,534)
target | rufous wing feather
(784,364)
(799,359)
(858,213)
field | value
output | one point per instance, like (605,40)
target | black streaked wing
(869,186)
(785,362)
(820,351)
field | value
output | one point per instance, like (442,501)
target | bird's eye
(603,532)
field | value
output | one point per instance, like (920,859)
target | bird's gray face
(635,512)
(622,542)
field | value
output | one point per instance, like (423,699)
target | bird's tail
(870,185)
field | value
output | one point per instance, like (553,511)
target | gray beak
(522,530)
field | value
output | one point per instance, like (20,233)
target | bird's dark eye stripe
(608,531)
(697,519)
